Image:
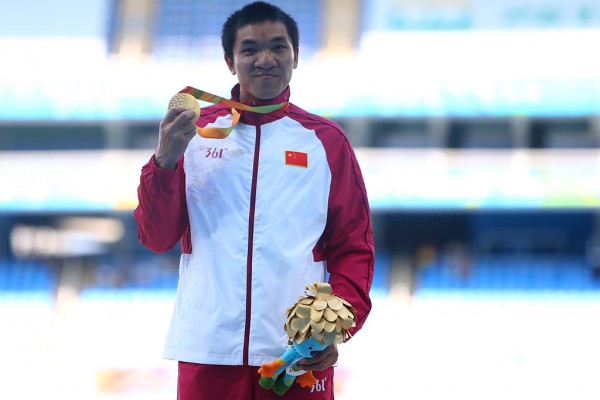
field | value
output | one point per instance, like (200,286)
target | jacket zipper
(251,243)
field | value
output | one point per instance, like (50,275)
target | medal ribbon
(221,133)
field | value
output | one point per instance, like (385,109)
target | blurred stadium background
(477,125)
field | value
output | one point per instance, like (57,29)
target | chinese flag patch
(296,158)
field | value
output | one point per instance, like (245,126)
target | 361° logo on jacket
(296,158)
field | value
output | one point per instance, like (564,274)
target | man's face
(263,59)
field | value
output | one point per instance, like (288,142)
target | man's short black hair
(252,14)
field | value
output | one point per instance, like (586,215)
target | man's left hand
(325,359)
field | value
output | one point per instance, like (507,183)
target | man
(274,206)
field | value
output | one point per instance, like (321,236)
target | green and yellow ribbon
(221,133)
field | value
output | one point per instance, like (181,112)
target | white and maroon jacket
(255,231)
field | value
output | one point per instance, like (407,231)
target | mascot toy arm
(316,321)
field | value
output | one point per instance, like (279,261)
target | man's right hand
(176,130)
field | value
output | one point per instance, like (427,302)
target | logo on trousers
(319,386)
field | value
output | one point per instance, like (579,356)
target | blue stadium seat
(511,274)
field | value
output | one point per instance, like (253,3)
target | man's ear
(230,64)
(296,52)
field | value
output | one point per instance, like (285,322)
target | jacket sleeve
(347,241)
(161,214)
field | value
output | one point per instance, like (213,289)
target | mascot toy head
(320,315)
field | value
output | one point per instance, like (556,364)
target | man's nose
(265,59)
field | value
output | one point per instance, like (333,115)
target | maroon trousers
(224,382)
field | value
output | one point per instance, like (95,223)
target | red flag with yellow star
(296,158)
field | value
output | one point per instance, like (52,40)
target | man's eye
(280,48)
(248,51)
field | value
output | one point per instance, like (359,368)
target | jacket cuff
(163,172)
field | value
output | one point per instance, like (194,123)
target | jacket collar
(252,118)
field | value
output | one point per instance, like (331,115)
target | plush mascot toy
(316,321)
